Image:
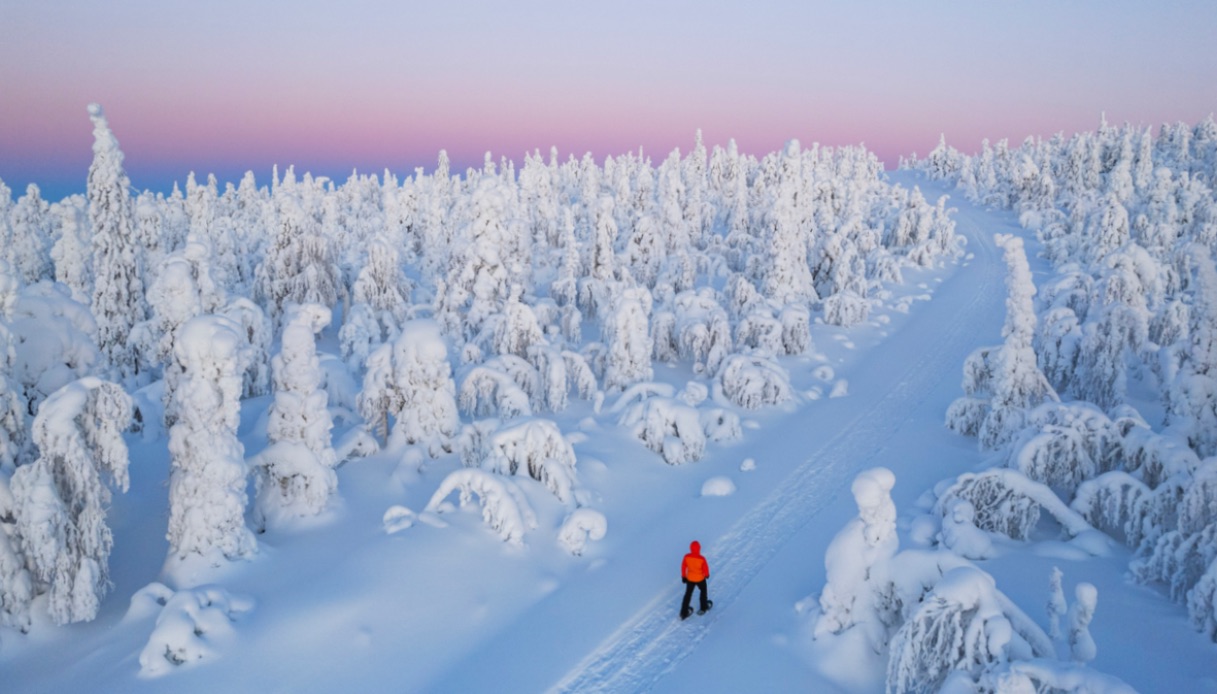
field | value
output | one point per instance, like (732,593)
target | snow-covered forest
(267,340)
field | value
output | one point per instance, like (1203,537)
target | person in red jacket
(694,571)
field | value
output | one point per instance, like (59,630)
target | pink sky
(223,87)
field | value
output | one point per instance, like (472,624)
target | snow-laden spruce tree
(184,288)
(118,263)
(16,584)
(299,265)
(854,562)
(60,499)
(1001,384)
(296,470)
(629,345)
(1192,396)
(72,253)
(207,484)
(28,250)
(410,381)
(477,281)
(787,275)
(381,301)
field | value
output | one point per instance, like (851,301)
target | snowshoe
(684,614)
(709,604)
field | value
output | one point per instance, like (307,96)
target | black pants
(689,585)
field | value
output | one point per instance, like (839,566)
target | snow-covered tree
(1018,384)
(669,427)
(118,263)
(72,252)
(853,562)
(504,507)
(28,251)
(207,485)
(532,447)
(299,265)
(1192,396)
(1081,643)
(754,380)
(478,281)
(787,276)
(380,300)
(411,382)
(629,358)
(60,499)
(296,470)
(1002,383)
(962,630)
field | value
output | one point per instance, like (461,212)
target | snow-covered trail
(652,642)
(641,639)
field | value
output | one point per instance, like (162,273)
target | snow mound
(580,526)
(718,486)
(193,626)
(398,518)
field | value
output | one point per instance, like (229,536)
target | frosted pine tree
(27,251)
(118,263)
(410,381)
(1192,396)
(854,562)
(629,344)
(477,281)
(1017,382)
(787,276)
(73,250)
(60,499)
(295,472)
(299,266)
(207,483)
(381,302)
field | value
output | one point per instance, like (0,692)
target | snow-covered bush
(1111,501)
(533,447)
(504,508)
(961,631)
(60,499)
(490,391)
(1007,503)
(754,380)
(581,525)
(667,427)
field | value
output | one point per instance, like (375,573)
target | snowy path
(653,642)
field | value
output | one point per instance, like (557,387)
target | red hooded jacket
(694,568)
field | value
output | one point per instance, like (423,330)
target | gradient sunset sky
(227,86)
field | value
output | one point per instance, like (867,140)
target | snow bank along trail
(652,641)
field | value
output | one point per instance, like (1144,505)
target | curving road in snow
(886,386)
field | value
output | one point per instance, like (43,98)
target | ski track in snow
(653,641)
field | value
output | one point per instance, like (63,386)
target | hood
(695,548)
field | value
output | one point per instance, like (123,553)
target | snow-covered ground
(379,595)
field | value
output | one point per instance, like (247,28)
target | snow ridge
(653,641)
